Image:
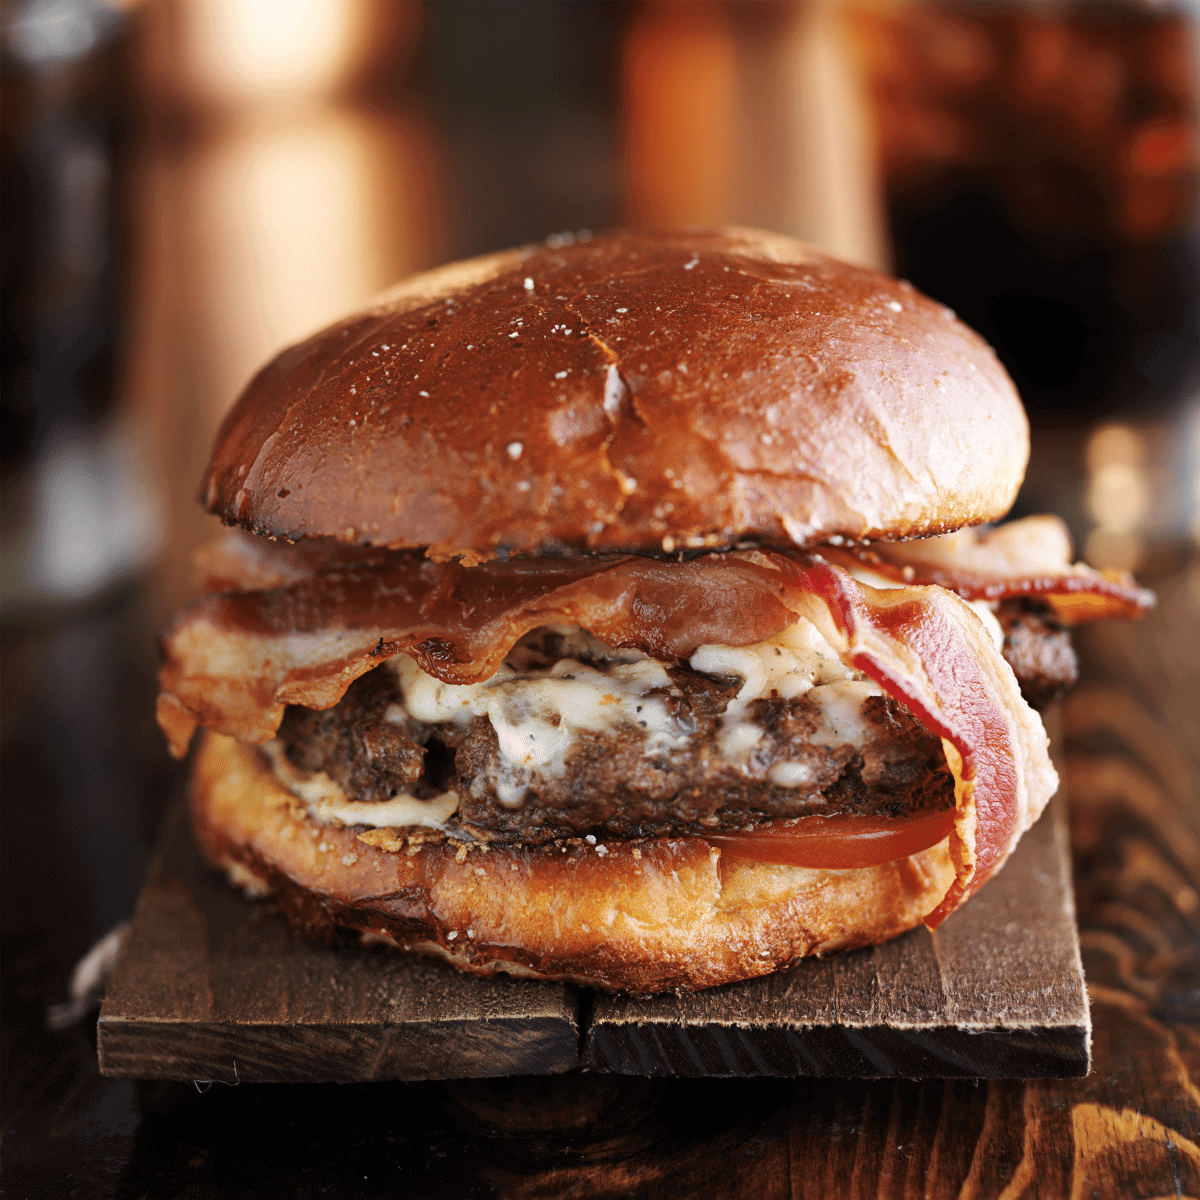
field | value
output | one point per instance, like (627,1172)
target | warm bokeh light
(679,84)
(282,227)
(751,115)
(278,212)
(215,54)
(827,158)
(1118,496)
(1115,445)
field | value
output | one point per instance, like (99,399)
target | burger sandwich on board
(615,610)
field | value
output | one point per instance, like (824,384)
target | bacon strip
(237,561)
(236,659)
(1030,557)
(233,661)
(923,646)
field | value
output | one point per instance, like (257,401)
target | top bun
(637,391)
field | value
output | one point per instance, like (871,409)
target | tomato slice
(837,843)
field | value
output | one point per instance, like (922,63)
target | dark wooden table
(1129,1129)
(211,985)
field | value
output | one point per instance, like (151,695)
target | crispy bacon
(1030,557)
(236,659)
(297,624)
(237,561)
(922,645)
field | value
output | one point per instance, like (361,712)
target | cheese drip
(796,662)
(538,712)
(328,804)
(559,683)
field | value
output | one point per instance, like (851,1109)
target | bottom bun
(627,916)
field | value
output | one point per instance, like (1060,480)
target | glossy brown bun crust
(632,391)
(639,917)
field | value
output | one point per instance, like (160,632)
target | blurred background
(188,185)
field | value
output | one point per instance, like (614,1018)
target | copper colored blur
(269,195)
(1085,116)
(751,114)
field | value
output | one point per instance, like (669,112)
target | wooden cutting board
(995,991)
(212,986)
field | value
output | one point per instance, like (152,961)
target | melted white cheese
(790,774)
(328,804)
(540,703)
(840,705)
(796,662)
(539,713)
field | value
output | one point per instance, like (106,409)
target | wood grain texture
(1131,1128)
(997,991)
(214,986)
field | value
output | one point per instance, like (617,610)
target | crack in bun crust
(640,917)
(633,391)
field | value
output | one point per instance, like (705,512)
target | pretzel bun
(632,391)
(633,916)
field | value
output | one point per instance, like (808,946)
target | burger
(625,610)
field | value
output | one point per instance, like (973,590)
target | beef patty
(609,785)
(1038,649)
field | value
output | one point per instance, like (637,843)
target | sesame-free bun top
(632,391)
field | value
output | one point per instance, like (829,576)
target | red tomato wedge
(838,843)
